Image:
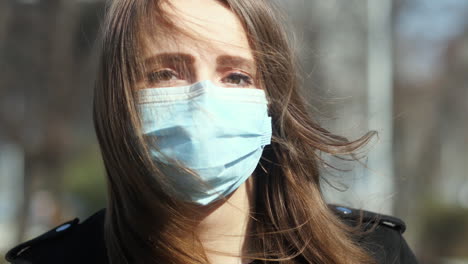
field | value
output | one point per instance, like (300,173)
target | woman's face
(221,52)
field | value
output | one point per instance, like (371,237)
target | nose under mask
(218,132)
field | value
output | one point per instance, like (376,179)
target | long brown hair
(290,221)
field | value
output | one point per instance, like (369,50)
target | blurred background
(398,67)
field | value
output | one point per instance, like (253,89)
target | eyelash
(157,76)
(244,77)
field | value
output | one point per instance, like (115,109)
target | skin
(221,52)
(223,56)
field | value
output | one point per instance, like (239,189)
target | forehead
(217,30)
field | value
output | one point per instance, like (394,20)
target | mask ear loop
(263,168)
(266,157)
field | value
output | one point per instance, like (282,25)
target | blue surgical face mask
(217,132)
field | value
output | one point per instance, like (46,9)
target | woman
(210,152)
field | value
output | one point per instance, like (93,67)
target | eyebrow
(236,61)
(165,58)
(187,59)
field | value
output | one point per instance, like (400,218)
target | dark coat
(73,242)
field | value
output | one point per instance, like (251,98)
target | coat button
(63,227)
(344,210)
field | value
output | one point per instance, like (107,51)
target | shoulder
(384,237)
(71,242)
(83,242)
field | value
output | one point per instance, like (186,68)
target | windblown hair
(290,222)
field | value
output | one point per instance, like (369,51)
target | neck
(225,225)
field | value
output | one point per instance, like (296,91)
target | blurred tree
(5,16)
(431,131)
(46,90)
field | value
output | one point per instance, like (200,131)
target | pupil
(236,79)
(165,75)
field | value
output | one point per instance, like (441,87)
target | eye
(162,76)
(238,79)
